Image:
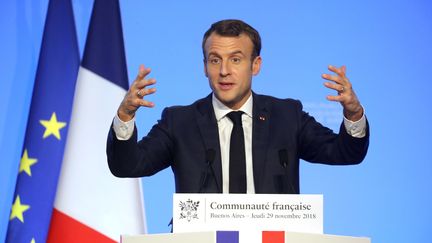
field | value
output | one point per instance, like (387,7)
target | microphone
(284,161)
(209,158)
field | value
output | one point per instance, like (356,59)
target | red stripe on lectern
(273,237)
(68,230)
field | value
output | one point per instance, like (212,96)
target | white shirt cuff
(356,129)
(123,130)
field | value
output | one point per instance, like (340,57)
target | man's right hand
(134,98)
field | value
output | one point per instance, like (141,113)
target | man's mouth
(226,85)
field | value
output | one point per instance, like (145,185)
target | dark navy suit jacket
(184,134)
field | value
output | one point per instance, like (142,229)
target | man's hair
(234,28)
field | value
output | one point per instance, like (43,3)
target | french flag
(234,237)
(91,205)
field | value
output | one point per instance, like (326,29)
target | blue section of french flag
(104,54)
(227,236)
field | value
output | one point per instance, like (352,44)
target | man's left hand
(352,109)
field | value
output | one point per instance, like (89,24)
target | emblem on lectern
(188,210)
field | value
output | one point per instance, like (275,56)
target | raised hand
(346,96)
(134,98)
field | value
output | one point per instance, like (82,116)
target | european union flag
(47,127)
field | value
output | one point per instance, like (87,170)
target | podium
(246,218)
(213,237)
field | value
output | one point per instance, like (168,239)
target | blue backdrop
(385,45)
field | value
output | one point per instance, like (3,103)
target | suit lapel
(260,136)
(209,132)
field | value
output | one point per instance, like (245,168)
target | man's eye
(214,60)
(236,60)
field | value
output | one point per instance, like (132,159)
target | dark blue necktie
(237,162)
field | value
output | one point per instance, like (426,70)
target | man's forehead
(218,43)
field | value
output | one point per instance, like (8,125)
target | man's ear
(256,65)
(205,68)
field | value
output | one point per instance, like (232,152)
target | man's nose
(225,69)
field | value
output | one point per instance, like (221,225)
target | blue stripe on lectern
(227,237)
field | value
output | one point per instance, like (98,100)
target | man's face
(229,68)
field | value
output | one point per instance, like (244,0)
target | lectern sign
(258,212)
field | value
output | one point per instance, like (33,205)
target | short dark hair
(233,28)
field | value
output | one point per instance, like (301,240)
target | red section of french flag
(273,237)
(66,229)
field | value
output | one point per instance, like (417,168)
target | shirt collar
(221,110)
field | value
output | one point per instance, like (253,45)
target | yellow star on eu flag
(33,241)
(26,162)
(52,127)
(18,209)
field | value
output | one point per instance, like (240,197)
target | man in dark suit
(213,148)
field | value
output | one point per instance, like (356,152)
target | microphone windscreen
(283,157)
(210,155)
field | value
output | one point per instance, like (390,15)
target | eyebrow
(231,53)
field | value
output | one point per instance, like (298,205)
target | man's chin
(226,100)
